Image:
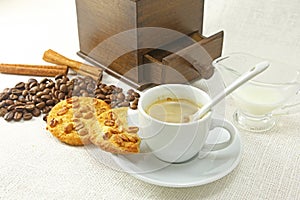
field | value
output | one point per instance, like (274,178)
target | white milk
(257,100)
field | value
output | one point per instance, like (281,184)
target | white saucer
(148,168)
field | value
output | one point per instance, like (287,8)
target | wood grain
(81,68)
(33,70)
(109,34)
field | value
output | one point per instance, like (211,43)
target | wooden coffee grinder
(147,42)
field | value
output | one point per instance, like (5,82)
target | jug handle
(292,106)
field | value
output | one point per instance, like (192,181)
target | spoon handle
(260,67)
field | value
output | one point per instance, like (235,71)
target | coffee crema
(172,110)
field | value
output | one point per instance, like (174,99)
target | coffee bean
(22,99)
(45,80)
(82,85)
(70,94)
(64,80)
(55,93)
(3,96)
(9,116)
(27,116)
(50,85)
(50,102)
(2,104)
(133,106)
(11,107)
(35,99)
(55,100)
(36,112)
(18,116)
(7,90)
(70,83)
(130,91)
(39,94)
(63,88)
(130,98)
(108,101)
(13,97)
(100,96)
(136,101)
(29,107)
(46,109)
(16,91)
(118,90)
(18,103)
(42,86)
(113,97)
(88,79)
(25,93)
(41,105)
(59,76)
(32,80)
(121,96)
(137,95)
(45,97)
(113,104)
(84,93)
(9,102)
(124,104)
(3,111)
(104,90)
(58,82)
(76,89)
(19,108)
(90,87)
(34,90)
(47,91)
(97,91)
(61,96)
(20,85)
(32,84)
(45,117)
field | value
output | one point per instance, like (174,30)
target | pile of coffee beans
(33,98)
(115,97)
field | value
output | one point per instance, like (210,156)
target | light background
(269,29)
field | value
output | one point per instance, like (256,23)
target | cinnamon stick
(81,68)
(33,70)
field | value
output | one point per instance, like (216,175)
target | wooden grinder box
(147,42)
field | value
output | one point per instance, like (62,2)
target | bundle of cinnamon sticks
(62,64)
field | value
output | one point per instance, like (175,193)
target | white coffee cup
(179,142)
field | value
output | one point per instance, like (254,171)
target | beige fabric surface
(34,165)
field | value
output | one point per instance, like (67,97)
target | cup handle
(218,123)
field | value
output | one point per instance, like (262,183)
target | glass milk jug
(273,92)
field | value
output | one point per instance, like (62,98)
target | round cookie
(70,120)
(112,133)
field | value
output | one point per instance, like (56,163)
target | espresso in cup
(172,110)
(178,142)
